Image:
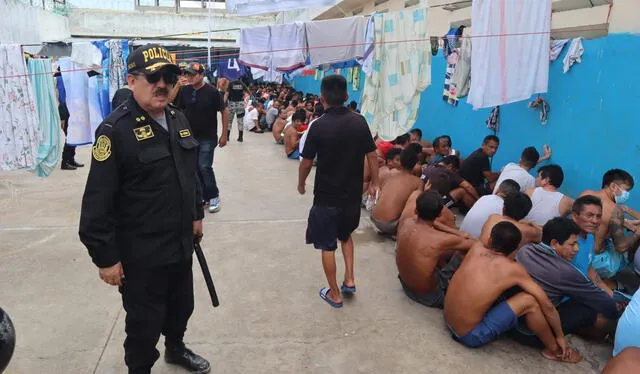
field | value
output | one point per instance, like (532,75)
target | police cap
(150,58)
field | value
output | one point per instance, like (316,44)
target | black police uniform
(141,198)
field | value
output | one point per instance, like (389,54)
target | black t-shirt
(473,167)
(236,91)
(201,108)
(340,139)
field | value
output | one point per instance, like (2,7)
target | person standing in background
(201,103)
(69,151)
(234,97)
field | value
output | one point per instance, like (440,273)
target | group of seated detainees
(526,260)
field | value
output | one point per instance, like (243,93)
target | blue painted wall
(594,122)
(308,84)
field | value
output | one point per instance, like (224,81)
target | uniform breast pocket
(153,153)
(189,144)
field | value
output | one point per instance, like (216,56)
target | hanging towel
(449,95)
(574,54)
(289,46)
(543,107)
(336,40)
(255,44)
(556,48)
(369,39)
(76,84)
(52,141)
(509,68)
(460,81)
(493,122)
(19,128)
(86,54)
(94,104)
(401,71)
(117,68)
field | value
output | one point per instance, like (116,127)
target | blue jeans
(205,169)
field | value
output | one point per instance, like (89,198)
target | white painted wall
(25,24)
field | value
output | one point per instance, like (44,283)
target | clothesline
(221,57)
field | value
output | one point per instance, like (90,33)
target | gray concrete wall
(149,24)
(25,24)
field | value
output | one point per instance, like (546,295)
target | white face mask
(623,197)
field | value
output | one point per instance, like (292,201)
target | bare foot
(573,356)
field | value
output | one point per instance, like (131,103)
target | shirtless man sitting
(421,247)
(392,165)
(475,311)
(278,126)
(292,136)
(516,207)
(458,190)
(394,193)
(613,249)
(547,201)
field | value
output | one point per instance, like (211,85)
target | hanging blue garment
(50,147)
(62,94)
(103,79)
(230,68)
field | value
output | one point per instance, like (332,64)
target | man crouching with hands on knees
(142,210)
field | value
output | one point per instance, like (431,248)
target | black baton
(207,274)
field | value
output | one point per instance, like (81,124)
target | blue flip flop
(346,289)
(323,295)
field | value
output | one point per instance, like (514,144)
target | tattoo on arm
(616,225)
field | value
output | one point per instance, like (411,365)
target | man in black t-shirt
(341,140)
(201,103)
(234,97)
(477,167)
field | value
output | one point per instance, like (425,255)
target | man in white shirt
(520,172)
(547,201)
(251,116)
(486,206)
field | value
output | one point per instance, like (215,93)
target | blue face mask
(623,197)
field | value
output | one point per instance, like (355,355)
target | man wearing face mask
(201,103)
(614,250)
(142,211)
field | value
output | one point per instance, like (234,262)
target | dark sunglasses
(168,76)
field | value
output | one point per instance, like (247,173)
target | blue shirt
(628,326)
(585,254)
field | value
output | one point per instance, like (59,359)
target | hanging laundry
(230,68)
(103,79)
(355,80)
(76,83)
(461,79)
(117,65)
(55,49)
(391,95)
(369,39)
(493,122)
(574,54)
(253,7)
(449,94)
(556,48)
(19,135)
(515,65)
(255,44)
(86,54)
(322,37)
(451,41)
(435,44)
(289,46)
(93,101)
(543,107)
(267,75)
(52,140)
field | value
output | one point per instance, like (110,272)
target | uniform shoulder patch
(185,133)
(102,149)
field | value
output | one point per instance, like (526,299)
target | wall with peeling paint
(594,122)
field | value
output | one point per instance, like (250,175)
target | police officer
(142,210)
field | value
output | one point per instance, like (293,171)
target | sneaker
(214,205)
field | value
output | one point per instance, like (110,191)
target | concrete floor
(271,319)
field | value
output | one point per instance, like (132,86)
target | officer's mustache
(161,92)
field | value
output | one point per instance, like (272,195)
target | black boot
(240,133)
(185,358)
(76,164)
(67,166)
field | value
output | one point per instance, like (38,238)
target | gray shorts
(387,228)
(435,298)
